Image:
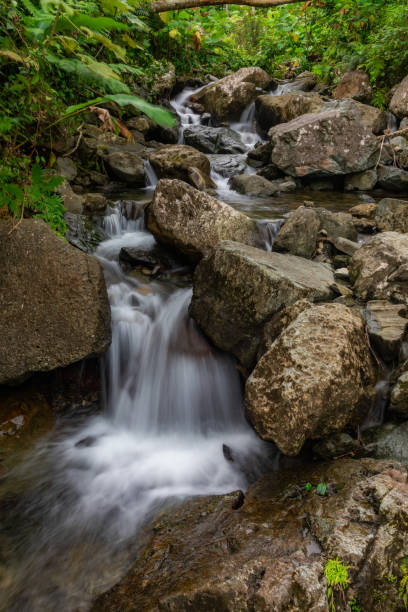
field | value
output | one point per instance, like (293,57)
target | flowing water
(173,425)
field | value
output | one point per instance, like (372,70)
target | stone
(387,326)
(176,161)
(399,101)
(54,297)
(367,210)
(379,269)
(299,233)
(66,168)
(253,185)
(399,391)
(330,143)
(315,379)
(192,222)
(391,178)
(273,110)
(270,172)
(265,551)
(342,274)
(214,140)
(374,119)
(237,289)
(228,97)
(361,181)
(392,442)
(140,124)
(227,165)
(95,204)
(148,258)
(82,233)
(345,246)
(354,84)
(365,226)
(322,185)
(336,445)
(127,166)
(73,202)
(199,179)
(392,215)
(260,155)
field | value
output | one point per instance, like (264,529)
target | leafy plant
(336,573)
(354,605)
(321,489)
(403,586)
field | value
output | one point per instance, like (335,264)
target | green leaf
(308,486)
(157,113)
(321,489)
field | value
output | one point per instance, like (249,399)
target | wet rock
(270,172)
(315,379)
(345,246)
(365,226)
(25,416)
(66,168)
(392,215)
(399,101)
(54,297)
(214,140)
(365,198)
(354,84)
(393,179)
(336,445)
(193,222)
(95,204)
(140,124)
(73,202)
(156,256)
(299,233)
(361,181)
(127,166)
(227,165)
(82,233)
(399,391)
(228,97)
(269,553)
(367,210)
(260,155)
(325,144)
(253,185)
(237,289)
(322,185)
(342,274)
(379,269)
(374,119)
(273,110)
(387,326)
(198,179)
(392,442)
(176,161)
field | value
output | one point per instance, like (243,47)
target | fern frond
(29,7)
(117,50)
(124,68)
(92,73)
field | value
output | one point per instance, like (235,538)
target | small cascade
(151,176)
(392,122)
(246,127)
(186,115)
(375,417)
(268,231)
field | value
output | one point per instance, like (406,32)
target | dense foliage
(60,53)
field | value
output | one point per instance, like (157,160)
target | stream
(173,424)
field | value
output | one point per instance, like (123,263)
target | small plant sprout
(321,489)
(403,586)
(337,579)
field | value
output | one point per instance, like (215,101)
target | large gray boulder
(299,233)
(399,101)
(214,139)
(182,162)
(127,166)
(354,84)
(192,222)
(273,110)
(392,215)
(228,97)
(228,165)
(316,378)
(53,298)
(379,269)
(371,117)
(391,178)
(238,288)
(325,144)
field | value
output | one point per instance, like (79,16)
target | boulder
(315,379)
(82,233)
(354,84)
(227,165)
(255,185)
(391,442)
(270,172)
(127,166)
(399,392)
(392,215)
(176,161)
(267,550)
(299,233)
(95,204)
(228,97)
(326,144)
(54,297)
(73,202)
(260,155)
(193,222)
(371,117)
(367,210)
(273,110)
(387,325)
(379,269)
(361,181)
(399,101)
(391,178)
(66,168)
(343,245)
(238,288)
(213,139)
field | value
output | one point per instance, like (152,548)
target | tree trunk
(161,6)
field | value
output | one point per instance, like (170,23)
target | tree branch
(161,6)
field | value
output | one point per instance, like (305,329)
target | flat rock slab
(238,288)
(386,327)
(53,298)
(315,379)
